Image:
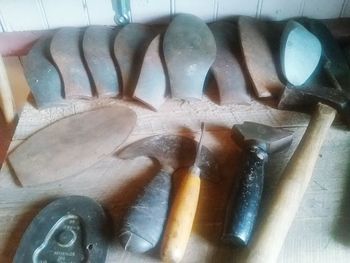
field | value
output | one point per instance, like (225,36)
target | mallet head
(268,138)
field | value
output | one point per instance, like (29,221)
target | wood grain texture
(7,103)
(289,192)
(317,233)
(181,216)
(71,145)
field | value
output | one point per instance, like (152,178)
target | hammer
(258,141)
(273,230)
(146,218)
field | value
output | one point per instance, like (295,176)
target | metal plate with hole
(70,229)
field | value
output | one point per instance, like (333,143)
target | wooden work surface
(320,232)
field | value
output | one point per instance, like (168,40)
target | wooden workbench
(320,232)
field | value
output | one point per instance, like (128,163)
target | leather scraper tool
(328,98)
(144,223)
(129,48)
(258,141)
(69,229)
(71,145)
(66,52)
(152,82)
(227,68)
(42,76)
(97,48)
(259,58)
(189,50)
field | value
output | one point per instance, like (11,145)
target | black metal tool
(258,141)
(70,229)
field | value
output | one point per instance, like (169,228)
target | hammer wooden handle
(284,205)
(180,220)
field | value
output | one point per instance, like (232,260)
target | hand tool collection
(297,62)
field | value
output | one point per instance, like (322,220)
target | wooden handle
(180,220)
(284,205)
(6,98)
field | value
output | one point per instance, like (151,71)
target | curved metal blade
(259,57)
(227,68)
(174,151)
(97,43)
(65,51)
(275,139)
(42,76)
(189,50)
(151,85)
(70,229)
(129,48)
(300,53)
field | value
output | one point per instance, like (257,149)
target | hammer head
(300,53)
(173,151)
(326,85)
(268,138)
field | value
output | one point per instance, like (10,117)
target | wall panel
(19,15)
(150,10)
(237,7)
(322,8)
(346,9)
(100,12)
(65,13)
(281,9)
(203,9)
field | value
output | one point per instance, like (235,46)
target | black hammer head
(328,84)
(173,151)
(269,138)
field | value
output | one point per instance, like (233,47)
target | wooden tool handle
(180,220)
(284,205)
(6,98)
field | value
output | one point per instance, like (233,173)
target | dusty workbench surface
(320,232)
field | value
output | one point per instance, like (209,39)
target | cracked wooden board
(316,235)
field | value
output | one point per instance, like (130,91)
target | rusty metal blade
(259,58)
(151,85)
(129,49)
(97,47)
(173,151)
(42,76)
(71,145)
(66,52)
(227,68)
(189,50)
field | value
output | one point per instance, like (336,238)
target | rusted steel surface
(152,83)
(227,68)
(189,50)
(129,48)
(66,52)
(259,59)
(97,48)
(42,76)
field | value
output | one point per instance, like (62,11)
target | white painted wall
(21,15)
